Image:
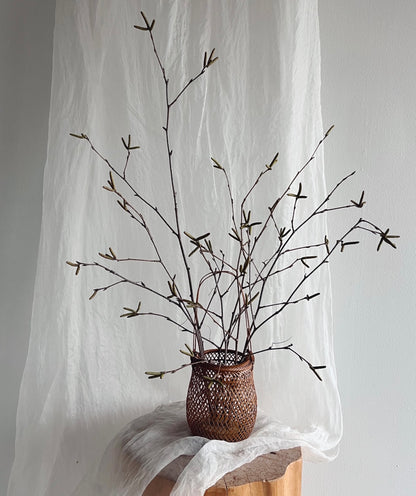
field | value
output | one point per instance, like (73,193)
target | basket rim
(247,363)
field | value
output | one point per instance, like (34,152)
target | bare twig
(289,347)
(232,292)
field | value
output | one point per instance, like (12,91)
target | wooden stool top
(274,474)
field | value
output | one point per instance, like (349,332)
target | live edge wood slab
(275,474)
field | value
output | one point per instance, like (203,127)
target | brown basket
(225,407)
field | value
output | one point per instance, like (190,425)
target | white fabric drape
(84,375)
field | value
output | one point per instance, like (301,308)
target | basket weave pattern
(226,407)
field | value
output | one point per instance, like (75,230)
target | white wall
(26,28)
(368,91)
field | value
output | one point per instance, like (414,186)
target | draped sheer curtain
(84,377)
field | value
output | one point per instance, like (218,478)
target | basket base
(222,432)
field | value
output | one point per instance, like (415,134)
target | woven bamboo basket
(222,401)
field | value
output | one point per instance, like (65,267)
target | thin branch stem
(293,302)
(289,347)
(126,164)
(203,337)
(125,180)
(279,199)
(302,281)
(135,260)
(159,375)
(173,188)
(306,247)
(123,279)
(156,314)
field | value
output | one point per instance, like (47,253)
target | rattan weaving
(221,401)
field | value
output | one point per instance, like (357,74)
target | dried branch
(124,279)
(287,189)
(124,179)
(169,104)
(289,347)
(232,292)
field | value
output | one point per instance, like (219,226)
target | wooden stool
(274,474)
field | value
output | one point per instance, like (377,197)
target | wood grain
(274,474)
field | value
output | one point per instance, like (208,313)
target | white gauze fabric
(84,377)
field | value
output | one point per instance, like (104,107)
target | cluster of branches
(236,301)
